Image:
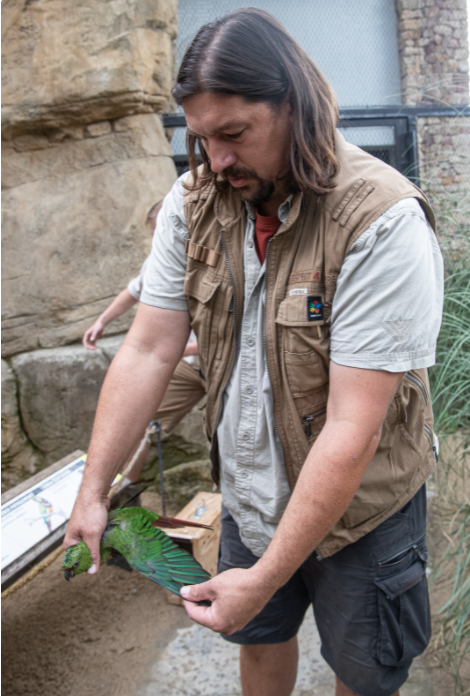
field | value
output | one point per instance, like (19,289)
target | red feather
(172,523)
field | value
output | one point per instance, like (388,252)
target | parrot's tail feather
(173,522)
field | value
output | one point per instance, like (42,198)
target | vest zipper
(434,448)
(419,385)
(307,420)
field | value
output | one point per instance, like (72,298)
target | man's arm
(357,406)
(134,387)
(121,304)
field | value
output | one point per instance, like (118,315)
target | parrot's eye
(75,565)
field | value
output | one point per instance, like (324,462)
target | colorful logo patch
(314,308)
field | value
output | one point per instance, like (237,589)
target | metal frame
(402,118)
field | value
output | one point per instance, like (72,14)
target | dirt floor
(99,635)
(91,636)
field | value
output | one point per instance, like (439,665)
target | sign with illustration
(34,514)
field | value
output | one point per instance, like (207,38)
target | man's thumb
(194,593)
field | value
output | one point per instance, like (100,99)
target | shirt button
(244,474)
(250,244)
(251,341)
(246,436)
(249,390)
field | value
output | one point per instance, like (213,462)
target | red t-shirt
(265,228)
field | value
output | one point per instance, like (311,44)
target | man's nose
(221,156)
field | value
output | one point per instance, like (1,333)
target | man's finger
(196,593)
(202,615)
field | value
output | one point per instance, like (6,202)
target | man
(314,333)
(186,388)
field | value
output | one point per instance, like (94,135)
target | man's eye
(234,135)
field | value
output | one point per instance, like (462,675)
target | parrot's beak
(68,574)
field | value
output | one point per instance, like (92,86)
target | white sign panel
(33,515)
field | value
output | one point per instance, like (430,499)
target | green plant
(450,387)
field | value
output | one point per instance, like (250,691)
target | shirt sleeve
(135,286)
(387,307)
(166,267)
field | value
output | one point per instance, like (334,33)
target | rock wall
(48,408)
(433,47)
(84,157)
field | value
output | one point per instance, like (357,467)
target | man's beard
(263,191)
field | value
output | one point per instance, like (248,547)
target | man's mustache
(237,173)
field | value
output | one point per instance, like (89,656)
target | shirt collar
(282,212)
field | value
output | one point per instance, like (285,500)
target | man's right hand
(88,522)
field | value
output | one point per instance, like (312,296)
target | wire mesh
(354,44)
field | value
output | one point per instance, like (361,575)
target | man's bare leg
(342,690)
(269,670)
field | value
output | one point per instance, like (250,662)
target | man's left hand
(237,596)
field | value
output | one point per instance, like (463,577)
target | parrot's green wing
(151,552)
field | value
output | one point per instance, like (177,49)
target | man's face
(247,143)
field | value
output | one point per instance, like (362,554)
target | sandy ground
(113,634)
(95,635)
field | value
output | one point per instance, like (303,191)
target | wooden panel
(204,508)
(40,476)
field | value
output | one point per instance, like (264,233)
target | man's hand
(88,522)
(93,334)
(237,596)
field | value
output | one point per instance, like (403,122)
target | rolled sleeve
(387,307)
(166,268)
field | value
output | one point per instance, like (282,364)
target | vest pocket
(403,607)
(209,303)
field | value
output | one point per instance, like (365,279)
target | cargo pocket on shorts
(403,606)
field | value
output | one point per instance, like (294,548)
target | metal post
(160,464)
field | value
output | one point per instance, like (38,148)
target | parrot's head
(77,560)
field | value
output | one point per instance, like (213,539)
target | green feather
(147,549)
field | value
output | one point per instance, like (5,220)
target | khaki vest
(306,252)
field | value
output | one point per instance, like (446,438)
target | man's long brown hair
(247,52)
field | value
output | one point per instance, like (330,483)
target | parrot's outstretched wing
(151,552)
(162,561)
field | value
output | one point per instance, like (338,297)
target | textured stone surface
(19,460)
(58,393)
(82,62)
(74,229)
(444,159)
(433,48)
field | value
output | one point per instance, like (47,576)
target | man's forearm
(326,485)
(134,387)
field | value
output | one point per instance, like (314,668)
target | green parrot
(135,533)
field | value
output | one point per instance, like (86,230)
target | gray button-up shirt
(253,479)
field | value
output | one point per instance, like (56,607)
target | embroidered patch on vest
(298,291)
(314,308)
(304,276)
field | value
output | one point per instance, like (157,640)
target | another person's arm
(191,349)
(133,389)
(357,406)
(121,304)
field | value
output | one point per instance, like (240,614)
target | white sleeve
(387,306)
(166,268)
(135,286)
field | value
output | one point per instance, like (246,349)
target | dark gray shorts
(370,601)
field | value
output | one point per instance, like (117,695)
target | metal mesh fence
(354,44)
